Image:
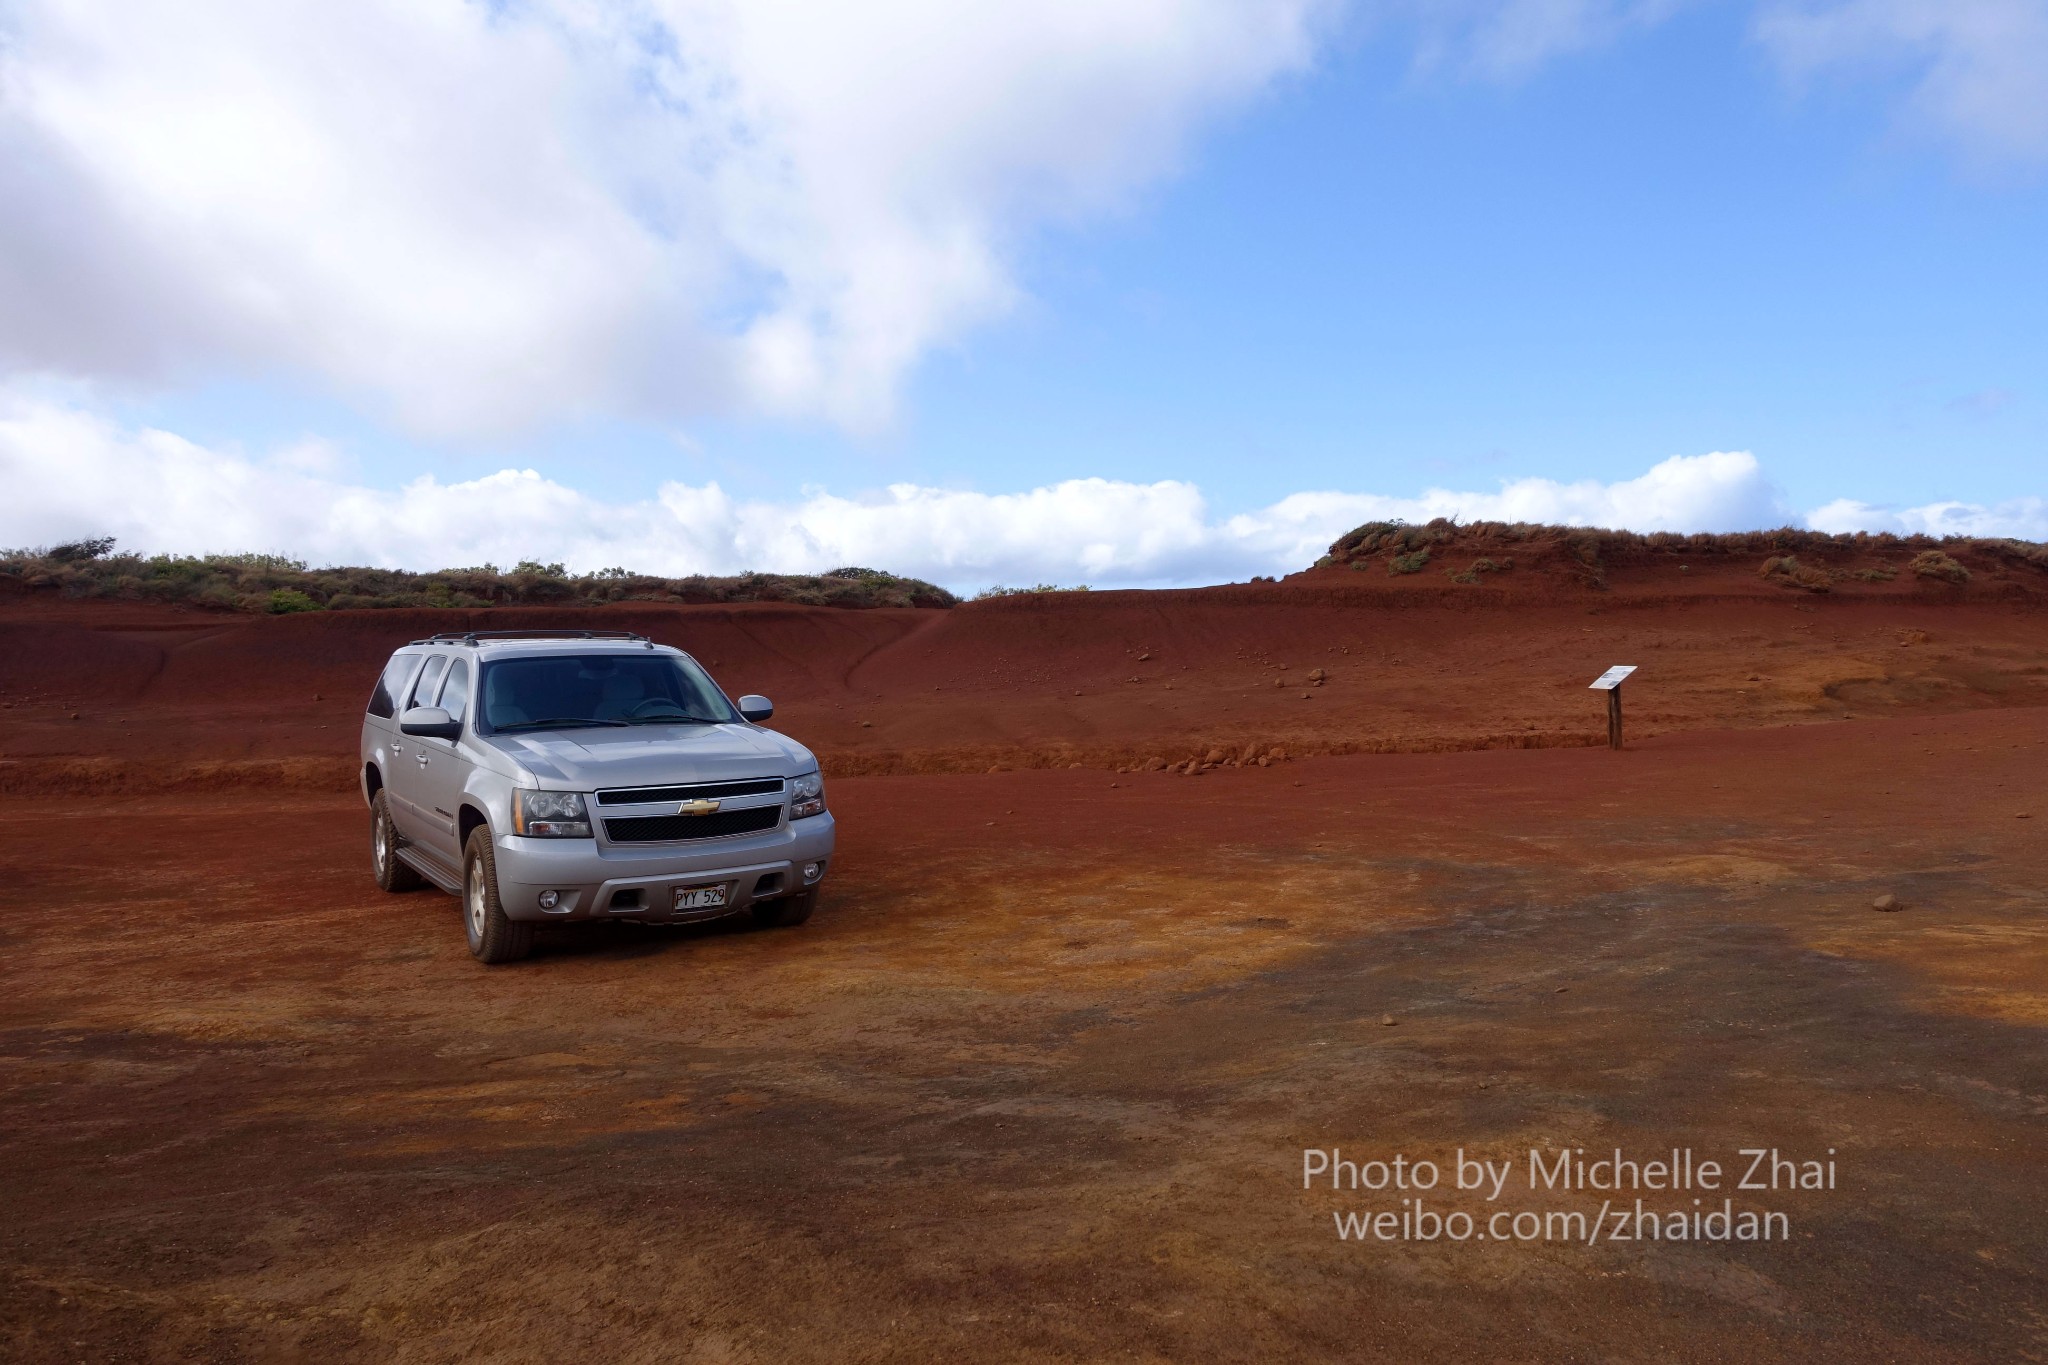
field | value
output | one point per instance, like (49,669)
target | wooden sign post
(1610,683)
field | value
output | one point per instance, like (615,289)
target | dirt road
(1036,1083)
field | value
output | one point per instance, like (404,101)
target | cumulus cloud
(71,472)
(2018,519)
(1977,66)
(488,214)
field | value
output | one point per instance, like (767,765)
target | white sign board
(1611,679)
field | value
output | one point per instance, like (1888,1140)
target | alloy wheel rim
(476,902)
(380,845)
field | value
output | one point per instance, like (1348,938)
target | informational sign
(1611,679)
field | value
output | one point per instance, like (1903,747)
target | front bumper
(639,881)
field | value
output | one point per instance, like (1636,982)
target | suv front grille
(656,829)
(640,796)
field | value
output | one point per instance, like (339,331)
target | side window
(430,678)
(455,693)
(391,686)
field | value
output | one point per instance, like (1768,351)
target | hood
(652,755)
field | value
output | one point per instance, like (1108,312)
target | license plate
(699,897)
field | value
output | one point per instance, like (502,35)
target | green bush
(1000,591)
(286,600)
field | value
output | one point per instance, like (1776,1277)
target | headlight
(806,796)
(549,815)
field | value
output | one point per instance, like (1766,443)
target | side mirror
(430,721)
(756,709)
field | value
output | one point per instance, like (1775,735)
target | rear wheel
(392,873)
(493,936)
(788,911)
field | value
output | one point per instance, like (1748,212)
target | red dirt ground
(1107,679)
(1036,1081)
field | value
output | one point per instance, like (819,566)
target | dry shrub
(1937,565)
(1478,567)
(1787,570)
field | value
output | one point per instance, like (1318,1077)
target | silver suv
(579,775)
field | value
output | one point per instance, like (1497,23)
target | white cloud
(1724,491)
(1504,39)
(72,473)
(1979,67)
(2019,519)
(486,214)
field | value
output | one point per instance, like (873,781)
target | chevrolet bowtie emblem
(697,807)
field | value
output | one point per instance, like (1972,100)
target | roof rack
(470,637)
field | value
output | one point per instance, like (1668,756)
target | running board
(431,870)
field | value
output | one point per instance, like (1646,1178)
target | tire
(493,937)
(391,872)
(788,912)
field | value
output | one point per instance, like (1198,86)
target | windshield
(599,689)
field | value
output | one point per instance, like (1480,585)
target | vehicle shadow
(628,939)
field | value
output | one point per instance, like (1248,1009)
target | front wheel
(393,873)
(788,911)
(493,936)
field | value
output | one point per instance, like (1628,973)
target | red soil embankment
(97,694)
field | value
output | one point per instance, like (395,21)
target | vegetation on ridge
(1793,557)
(274,583)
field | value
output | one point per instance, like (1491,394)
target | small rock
(2022,815)
(1387,1020)
(1316,675)
(1143,657)
(1155,764)
(867,725)
(1215,756)
(1885,902)
(1305,696)
(1277,754)
(74,715)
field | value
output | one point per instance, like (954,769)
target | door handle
(423,758)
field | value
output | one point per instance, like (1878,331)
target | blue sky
(1375,262)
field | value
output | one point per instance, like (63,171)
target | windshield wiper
(555,722)
(671,720)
